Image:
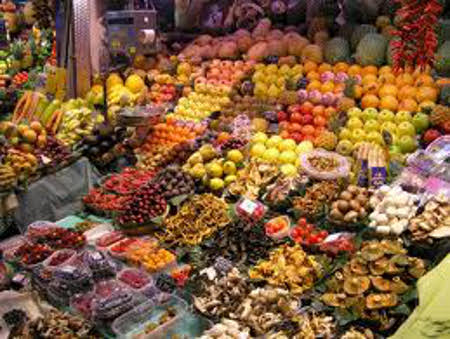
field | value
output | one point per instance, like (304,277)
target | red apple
(296,117)
(446,127)
(307,108)
(282,116)
(308,119)
(431,135)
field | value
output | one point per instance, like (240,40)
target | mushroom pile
(433,222)
(222,296)
(316,196)
(227,329)
(266,307)
(310,325)
(393,208)
(290,267)
(351,206)
(372,281)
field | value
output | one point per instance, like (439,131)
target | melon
(372,50)
(244,42)
(360,32)
(312,53)
(337,50)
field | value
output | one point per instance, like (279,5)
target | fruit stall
(225,169)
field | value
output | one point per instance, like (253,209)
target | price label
(248,206)
(96,256)
(45,160)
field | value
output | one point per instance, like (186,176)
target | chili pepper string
(415,41)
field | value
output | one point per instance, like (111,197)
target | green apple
(257,150)
(375,137)
(407,144)
(345,134)
(229,167)
(229,179)
(358,135)
(273,141)
(389,127)
(354,123)
(354,112)
(216,184)
(287,145)
(304,147)
(287,157)
(421,122)
(369,114)
(259,137)
(402,116)
(288,170)
(271,155)
(371,126)
(406,128)
(386,115)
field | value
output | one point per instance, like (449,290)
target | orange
(385,69)
(340,67)
(313,75)
(370,70)
(389,102)
(370,100)
(426,93)
(357,92)
(424,80)
(369,78)
(309,66)
(387,78)
(327,87)
(339,88)
(371,88)
(329,112)
(388,89)
(325,68)
(318,110)
(315,84)
(354,70)
(408,104)
(404,79)
(426,105)
(407,92)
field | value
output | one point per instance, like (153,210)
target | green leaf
(409,295)
(178,200)
(344,316)
(402,309)
(158,220)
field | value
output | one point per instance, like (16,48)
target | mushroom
(356,285)
(372,252)
(378,301)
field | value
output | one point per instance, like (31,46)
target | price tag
(96,256)
(45,160)
(248,206)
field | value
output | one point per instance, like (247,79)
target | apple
(354,112)
(304,146)
(287,157)
(406,128)
(296,117)
(421,122)
(358,135)
(273,141)
(308,119)
(345,134)
(271,155)
(375,137)
(354,123)
(298,137)
(390,127)
(259,138)
(282,116)
(371,126)
(407,144)
(288,170)
(257,150)
(431,135)
(369,113)
(402,116)
(287,145)
(386,115)
(294,108)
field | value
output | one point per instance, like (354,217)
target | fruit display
(99,264)
(372,282)
(31,254)
(352,205)
(103,202)
(59,238)
(278,227)
(174,182)
(306,233)
(150,256)
(297,274)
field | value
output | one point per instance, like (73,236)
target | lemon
(135,83)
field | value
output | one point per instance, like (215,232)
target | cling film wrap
(342,170)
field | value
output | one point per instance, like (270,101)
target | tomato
(296,117)
(323,234)
(302,222)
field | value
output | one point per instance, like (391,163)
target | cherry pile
(128,181)
(101,201)
(30,254)
(134,278)
(59,238)
(307,234)
(147,203)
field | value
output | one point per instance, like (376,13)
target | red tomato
(302,222)
(308,119)
(297,117)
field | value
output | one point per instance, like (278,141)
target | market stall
(230,169)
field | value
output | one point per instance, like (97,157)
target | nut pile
(199,217)
(316,196)
(351,206)
(433,222)
(372,281)
(223,296)
(290,267)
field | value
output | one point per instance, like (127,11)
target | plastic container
(59,258)
(82,304)
(284,232)
(10,245)
(119,249)
(187,326)
(146,320)
(135,278)
(97,232)
(101,266)
(250,210)
(40,228)
(109,238)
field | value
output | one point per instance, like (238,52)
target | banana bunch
(76,124)
(8,177)
(23,164)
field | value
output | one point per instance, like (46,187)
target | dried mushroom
(334,299)
(351,206)
(356,285)
(381,284)
(417,268)
(372,252)
(377,301)
(379,267)
(358,266)
(316,196)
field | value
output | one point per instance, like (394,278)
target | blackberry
(302,83)
(165,283)
(222,265)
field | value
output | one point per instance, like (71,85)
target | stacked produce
(351,206)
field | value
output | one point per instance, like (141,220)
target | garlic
(383,229)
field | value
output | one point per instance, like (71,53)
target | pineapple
(17,52)
(439,115)
(326,140)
